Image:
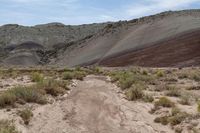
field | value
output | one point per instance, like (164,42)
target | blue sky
(32,12)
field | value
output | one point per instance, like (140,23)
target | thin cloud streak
(33,12)
(155,6)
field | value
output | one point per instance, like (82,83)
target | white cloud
(31,12)
(154,6)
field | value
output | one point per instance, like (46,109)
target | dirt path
(94,106)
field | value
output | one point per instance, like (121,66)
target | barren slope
(19,45)
(93,106)
(167,36)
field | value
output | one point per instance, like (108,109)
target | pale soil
(93,106)
(8,83)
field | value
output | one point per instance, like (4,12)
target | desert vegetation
(26,115)
(7,127)
(171,92)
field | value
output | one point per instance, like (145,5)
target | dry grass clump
(161,87)
(7,127)
(125,79)
(134,93)
(96,70)
(198,107)
(35,93)
(148,98)
(184,100)
(163,120)
(7,99)
(26,115)
(74,74)
(53,87)
(160,73)
(190,74)
(164,102)
(37,77)
(193,88)
(173,91)
(28,94)
(21,94)
(176,117)
(134,82)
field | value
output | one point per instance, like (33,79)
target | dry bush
(178,118)
(21,94)
(184,100)
(160,73)
(175,118)
(134,93)
(163,120)
(164,102)
(37,77)
(7,99)
(148,98)
(52,87)
(198,107)
(75,74)
(7,127)
(173,92)
(126,79)
(26,115)
(28,94)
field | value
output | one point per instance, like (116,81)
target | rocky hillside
(162,40)
(20,45)
(166,39)
(47,34)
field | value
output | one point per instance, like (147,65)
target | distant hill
(161,40)
(23,43)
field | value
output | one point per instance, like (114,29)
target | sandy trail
(94,106)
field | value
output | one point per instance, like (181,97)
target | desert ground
(100,100)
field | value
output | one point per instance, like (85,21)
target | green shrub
(175,111)
(7,99)
(28,94)
(69,75)
(134,93)
(193,75)
(164,102)
(33,94)
(52,87)
(80,75)
(26,115)
(160,73)
(196,77)
(184,100)
(178,118)
(183,75)
(125,83)
(144,72)
(198,107)
(37,77)
(148,98)
(127,78)
(21,94)
(7,127)
(175,118)
(163,120)
(173,92)
(115,76)
(97,70)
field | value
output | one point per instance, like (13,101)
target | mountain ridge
(96,43)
